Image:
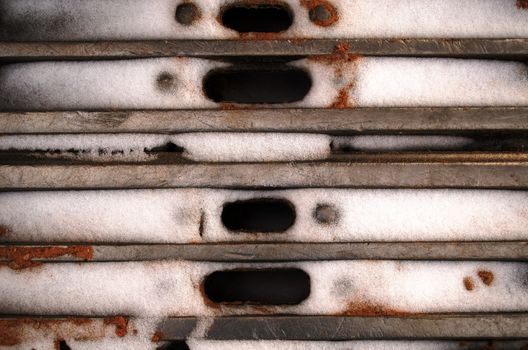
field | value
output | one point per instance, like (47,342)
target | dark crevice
(257,17)
(174,345)
(263,287)
(270,84)
(259,215)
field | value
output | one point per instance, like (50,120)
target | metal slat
(497,326)
(262,251)
(266,175)
(505,48)
(279,120)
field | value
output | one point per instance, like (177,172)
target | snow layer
(155,19)
(368,81)
(172,288)
(178,215)
(204,147)
(224,147)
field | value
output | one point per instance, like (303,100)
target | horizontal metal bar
(510,48)
(309,328)
(347,328)
(267,175)
(284,120)
(509,251)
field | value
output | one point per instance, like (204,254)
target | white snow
(224,147)
(172,288)
(155,19)
(368,81)
(174,215)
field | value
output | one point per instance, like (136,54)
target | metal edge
(265,120)
(512,48)
(260,251)
(266,176)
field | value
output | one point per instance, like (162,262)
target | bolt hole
(174,345)
(262,86)
(326,214)
(261,287)
(257,18)
(187,14)
(270,215)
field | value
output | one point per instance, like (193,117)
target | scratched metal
(505,48)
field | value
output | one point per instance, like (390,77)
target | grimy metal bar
(266,175)
(511,48)
(279,120)
(261,251)
(346,328)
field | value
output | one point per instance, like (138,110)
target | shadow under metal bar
(504,48)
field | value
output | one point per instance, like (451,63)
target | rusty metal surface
(267,175)
(481,251)
(506,48)
(283,120)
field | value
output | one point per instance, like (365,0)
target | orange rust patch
(486,277)
(120,323)
(10,332)
(365,308)
(522,4)
(23,257)
(157,337)
(468,283)
(310,5)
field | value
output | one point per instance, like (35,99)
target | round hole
(166,81)
(187,13)
(257,17)
(326,214)
(321,12)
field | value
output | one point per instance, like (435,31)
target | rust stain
(333,15)
(12,332)
(487,277)
(120,323)
(468,283)
(19,258)
(522,4)
(366,308)
(157,337)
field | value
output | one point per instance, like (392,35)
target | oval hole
(262,287)
(270,215)
(257,18)
(249,86)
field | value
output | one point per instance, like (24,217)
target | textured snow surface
(155,19)
(367,81)
(176,215)
(224,147)
(141,341)
(209,147)
(172,288)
